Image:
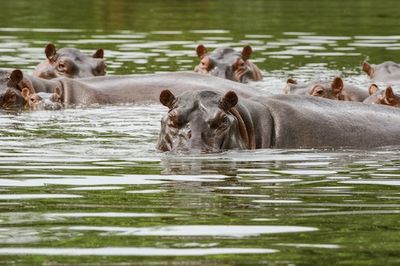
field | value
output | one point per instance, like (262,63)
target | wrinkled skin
(225,62)
(11,84)
(336,90)
(42,100)
(71,63)
(385,97)
(209,121)
(386,71)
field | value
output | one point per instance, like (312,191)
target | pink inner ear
(25,92)
(58,91)
(389,93)
(372,89)
(337,85)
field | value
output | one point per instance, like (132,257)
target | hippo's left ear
(25,93)
(389,94)
(15,77)
(367,68)
(58,91)
(229,100)
(50,51)
(201,50)
(246,52)
(98,54)
(372,89)
(167,98)
(337,85)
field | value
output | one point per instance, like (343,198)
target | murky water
(87,186)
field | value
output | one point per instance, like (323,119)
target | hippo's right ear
(201,50)
(372,89)
(337,85)
(98,54)
(229,100)
(25,93)
(50,51)
(167,98)
(15,77)
(58,91)
(246,52)
(366,67)
(389,94)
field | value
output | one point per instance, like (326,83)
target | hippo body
(71,63)
(134,88)
(227,63)
(386,71)
(209,123)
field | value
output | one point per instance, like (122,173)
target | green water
(87,187)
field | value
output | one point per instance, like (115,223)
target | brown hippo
(71,63)
(211,121)
(225,62)
(386,71)
(42,100)
(335,90)
(386,96)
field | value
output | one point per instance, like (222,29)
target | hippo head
(201,121)
(71,63)
(42,100)
(11,83)
(227,63)
(386,71)
(386,96)
(328,90)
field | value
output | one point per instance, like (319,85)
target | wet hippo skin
(209,121)
(71,63)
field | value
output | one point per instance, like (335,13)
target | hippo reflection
(335,90)
(385,97)
(71,63)
(225,62)
(211,121)
(386,71)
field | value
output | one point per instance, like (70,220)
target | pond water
(87,186)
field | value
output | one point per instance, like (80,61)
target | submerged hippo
(386,96)
(335,90)
(42,100)
(130,89)
(211,121)
(386,71)
(225,62)
(71,63)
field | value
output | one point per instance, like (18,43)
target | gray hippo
(335,90)
(386,71)
(42,100)
(71,63)
(386,96)
(213,121)
(225,62)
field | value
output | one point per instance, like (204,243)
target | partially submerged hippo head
(386,71)
(42,100)
(71,63)
(328,90)
(225,62)
(386,96)
(201,121)
(11,84)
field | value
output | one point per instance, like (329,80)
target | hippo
(11,84)
(335,90)
(225,62)
(130,88)
(386,96)
(42,100)
(386,71)
(71,63)
(214,121)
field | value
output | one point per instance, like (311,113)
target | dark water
(86,186)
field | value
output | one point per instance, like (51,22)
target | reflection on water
(89,182)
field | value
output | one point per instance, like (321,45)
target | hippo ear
(366,67)
(58,91)
(201,50)
(25,93)
(389,94)
(291,81)
(337,85)
(372,89)
(167,98)
(98,54)
(15,77)
(246,52)
(229,100)
(50,51)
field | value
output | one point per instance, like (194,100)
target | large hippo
(335,90)
(211,121)
(225,62)
(71,63)
(386,71)
(386,96)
